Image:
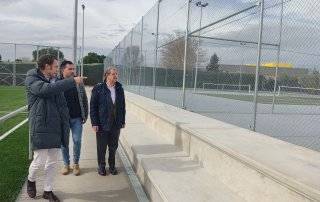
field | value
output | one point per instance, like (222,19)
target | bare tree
(172,54)
(132,57)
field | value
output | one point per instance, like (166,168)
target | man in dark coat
(78,110)
(107,113)
(48,120)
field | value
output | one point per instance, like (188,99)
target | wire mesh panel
(170,61)
(24,61)
(280,98)
(172,20)
(65,53)
(118,62)
(17,59)
(126,59)
(227,34)
(136,58)
(6,63)
(148,51)
(291,105)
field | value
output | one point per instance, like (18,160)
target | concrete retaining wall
(255,166)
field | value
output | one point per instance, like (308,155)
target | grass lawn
(284,100)
(14,163)
(10,123)
(11,98)
(14,148)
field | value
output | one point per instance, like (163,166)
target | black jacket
(83,100)
(101,107)
(48,111)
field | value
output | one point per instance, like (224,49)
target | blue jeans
(76,130)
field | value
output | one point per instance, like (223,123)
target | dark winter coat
(48,111)
(101,107)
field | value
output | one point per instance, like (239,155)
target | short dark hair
(46,60)
(65,63)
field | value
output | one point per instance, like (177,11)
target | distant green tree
(286,80)
(93,57)
(311,80)
(214,63)
(44,51)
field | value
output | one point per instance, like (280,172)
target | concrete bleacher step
(182,179)
(253,166)
(162,167)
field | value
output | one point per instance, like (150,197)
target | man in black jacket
(78,110)
(48,120)
(107,113)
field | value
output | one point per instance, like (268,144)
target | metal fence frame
(13,74)
(197,34)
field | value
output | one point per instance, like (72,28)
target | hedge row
(164,77)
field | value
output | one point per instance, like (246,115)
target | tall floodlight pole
(75,29)
(256,87)
(278,60)
(154,72)
(82,51)
(201,5)
(240,66)
(141,54)
(183,105)
(14,72)
(131,57)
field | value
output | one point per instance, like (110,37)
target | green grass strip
(14,163)
(10,123)
(285,100)
(11,98)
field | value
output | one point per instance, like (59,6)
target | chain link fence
(17,59)
(250,63)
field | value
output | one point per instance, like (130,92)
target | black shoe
(102,171)
(31,189)
(113,171)
(49,195)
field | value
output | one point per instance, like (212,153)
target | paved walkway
(89,186)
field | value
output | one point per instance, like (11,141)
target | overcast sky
(50,22)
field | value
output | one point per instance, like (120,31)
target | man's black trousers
(110,139)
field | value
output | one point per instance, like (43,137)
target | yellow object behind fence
(273,65)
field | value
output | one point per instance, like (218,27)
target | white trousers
(48,158)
